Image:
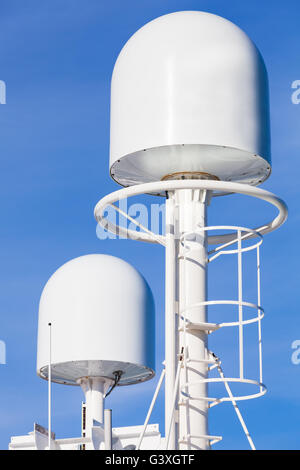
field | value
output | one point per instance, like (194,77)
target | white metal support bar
(107,429)
(170,315)
(240,293)
(259,320)
(158,387)
(155,237)
(49,389)
(235,406)
(173,403)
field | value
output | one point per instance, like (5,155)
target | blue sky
(56,58)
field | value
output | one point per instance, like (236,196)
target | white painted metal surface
(171,308)
(188,363)
(189,93)
(123,438)
(129,437)
(159,384)
(49,388)
(193,415)
(189,100)
(94,389)
(166,186)
(102,316)
(185,285)
(108,429)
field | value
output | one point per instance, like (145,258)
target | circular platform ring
(169,186)
(260,385)
(247,233)
(260,312)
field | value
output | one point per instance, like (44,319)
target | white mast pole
(94,389)
(170,319)
(193,414)
(186,263)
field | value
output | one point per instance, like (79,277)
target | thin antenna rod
(49,390)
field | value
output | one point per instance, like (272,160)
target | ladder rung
(201,326)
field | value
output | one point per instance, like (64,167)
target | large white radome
(102,315)
(189,94)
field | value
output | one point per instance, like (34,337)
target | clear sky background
(56,58)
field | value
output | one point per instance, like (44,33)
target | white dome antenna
(189,99)
(101,313)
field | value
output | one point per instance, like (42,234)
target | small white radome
(102,319)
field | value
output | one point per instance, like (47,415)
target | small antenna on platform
(49,389)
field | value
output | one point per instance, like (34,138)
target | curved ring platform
(169,186)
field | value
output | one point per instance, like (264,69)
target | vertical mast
(193,412)
(94,389)
(186,286)
(170,320)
